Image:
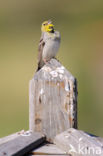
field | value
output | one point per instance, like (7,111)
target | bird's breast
(50,49)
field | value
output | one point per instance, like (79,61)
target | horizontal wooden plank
(50,154)
(21,145)
(77,142)
(12,136)
(99,139)
(48,149)
(8,138)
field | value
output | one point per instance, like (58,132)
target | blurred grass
(81,26)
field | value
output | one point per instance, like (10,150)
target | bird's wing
(40,51)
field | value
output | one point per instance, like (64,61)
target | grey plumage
(48,47)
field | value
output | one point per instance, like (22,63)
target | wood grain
(49,149)
(21,145)
(79,143)
(52,100)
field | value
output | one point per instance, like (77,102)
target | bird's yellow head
(47,26)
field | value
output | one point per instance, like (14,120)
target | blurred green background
(81,52)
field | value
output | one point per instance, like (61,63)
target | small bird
(49,43)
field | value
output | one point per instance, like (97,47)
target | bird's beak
(50,28)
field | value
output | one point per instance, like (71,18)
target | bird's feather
(40,52)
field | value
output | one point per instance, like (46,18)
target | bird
(49,43)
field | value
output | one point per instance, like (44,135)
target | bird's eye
(44,24)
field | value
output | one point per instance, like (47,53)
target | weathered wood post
(52,100)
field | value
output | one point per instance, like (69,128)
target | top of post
(53,70)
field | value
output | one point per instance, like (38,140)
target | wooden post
(52,100)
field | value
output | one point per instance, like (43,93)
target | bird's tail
(38,68)
(40,65)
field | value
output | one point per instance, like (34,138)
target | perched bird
(49,43)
